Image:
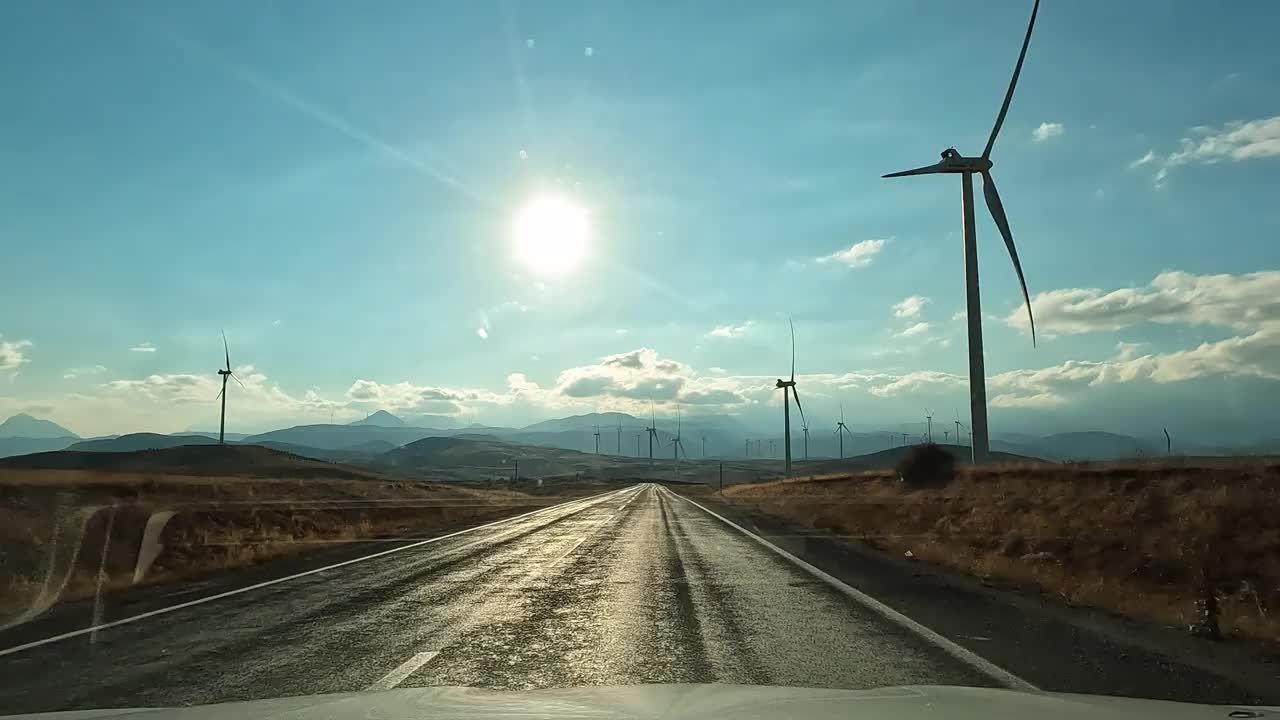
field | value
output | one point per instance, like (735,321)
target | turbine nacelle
(952,162)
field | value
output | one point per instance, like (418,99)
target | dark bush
(927,466)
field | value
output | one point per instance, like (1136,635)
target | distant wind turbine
(225,373)
(677,446)
(928,418)
(786,403)
(704,446)
(953,162)
(1168,442)
(597,439)
(841,429)
(652,430)
(746,451)
(619,437)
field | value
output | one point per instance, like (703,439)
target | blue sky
(335,186)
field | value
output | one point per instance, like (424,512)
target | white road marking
(275,581)
(404,670)
(956,651)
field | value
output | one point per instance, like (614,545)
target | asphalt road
(637,586)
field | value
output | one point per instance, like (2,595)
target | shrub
(927,466)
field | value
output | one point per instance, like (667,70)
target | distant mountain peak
(23,425)
(381,418)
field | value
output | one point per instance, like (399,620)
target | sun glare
(551,235)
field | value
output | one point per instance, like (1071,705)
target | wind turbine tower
(966,167)
(788,388)
(841,429)
(225,373)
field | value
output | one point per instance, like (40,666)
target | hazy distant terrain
(724,438)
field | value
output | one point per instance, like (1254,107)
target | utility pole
(515,476)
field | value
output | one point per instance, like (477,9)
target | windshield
(522,345)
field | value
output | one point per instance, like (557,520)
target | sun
(551,235)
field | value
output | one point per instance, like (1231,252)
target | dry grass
(1142,540)
(222,522)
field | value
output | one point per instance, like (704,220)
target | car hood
(735,702)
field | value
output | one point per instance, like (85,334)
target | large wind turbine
(841,429)
(225,373)
(597,433)
(966,167)
(786,401)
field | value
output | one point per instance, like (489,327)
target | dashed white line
(404,670)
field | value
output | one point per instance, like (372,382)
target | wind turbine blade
(225,349)
(926,170)
(796,395)
(1002,222)
(224,389)
(1013,82)
(841,413)
(793,351)
(233,377)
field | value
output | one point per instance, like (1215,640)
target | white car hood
(677,702)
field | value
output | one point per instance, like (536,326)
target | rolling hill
(23,425)
(197,460)
(140,441)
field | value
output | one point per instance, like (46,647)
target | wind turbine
(677,446)
(222,422)
(946,436)
(928,418)
(954,163)
(746,451)
(619,438)
(786,403)
(805,429)
(958,426)
(841,429)
(704,446)
(1168,442)
(652,430)
(597,439)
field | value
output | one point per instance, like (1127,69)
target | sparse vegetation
(65,533)
(1144,540)
(927,466)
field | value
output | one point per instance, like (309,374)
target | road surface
(636,586)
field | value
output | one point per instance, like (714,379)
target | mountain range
(619,434)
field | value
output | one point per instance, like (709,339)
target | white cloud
(1145,159)
(1237,301)
(145,347)
(717,370)
(1039,400)
(1234,142)
(858,255)
(13,353)
(1047,130)
(484,334)
(919,328)
(620,331)
(910,307)
(916,382)
(73,373)
(406,396)
(731,331)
